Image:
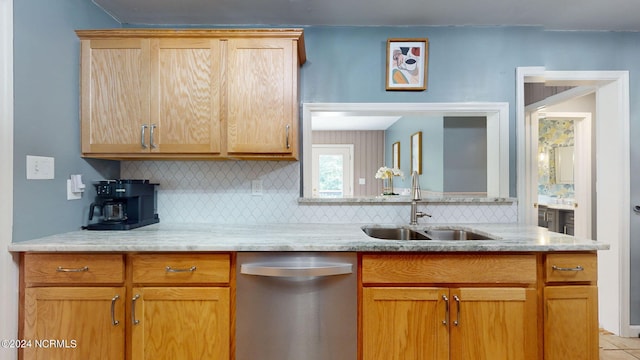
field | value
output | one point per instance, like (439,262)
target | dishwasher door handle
(284,270)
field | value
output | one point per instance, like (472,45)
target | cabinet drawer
(181,268)
(571,267)
(445,268)
(73,268)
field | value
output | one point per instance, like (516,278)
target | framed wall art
(395,150)
(416,152)
(407,64)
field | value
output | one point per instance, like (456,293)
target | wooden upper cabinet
(185,94)
(198,93)
(262,108)
(114,94)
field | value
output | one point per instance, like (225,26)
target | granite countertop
(300,237)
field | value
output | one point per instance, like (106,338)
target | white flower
(385,173)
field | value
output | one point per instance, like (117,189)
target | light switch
(362,181)
(40,167)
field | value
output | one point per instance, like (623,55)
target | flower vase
(387,186)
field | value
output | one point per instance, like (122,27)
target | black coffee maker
(124,204)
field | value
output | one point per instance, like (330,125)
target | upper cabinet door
(115,95)
(185,95)
(262,112)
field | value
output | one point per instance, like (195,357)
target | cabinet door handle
(446,307)
(456,322)
(151,142)
(82,269)
(577,268)
(169,269)
(133,309)
(114,322)
(287,136)
(143,129)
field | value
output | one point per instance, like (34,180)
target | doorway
(332,170)
(612,170)
(560,156)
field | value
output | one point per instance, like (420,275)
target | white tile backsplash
(220,192)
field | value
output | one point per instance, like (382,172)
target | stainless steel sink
(455,234)
(398,233)
(435,233)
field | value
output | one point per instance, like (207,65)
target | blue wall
(465,154)
(46,108)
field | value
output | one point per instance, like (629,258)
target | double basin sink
(430,233)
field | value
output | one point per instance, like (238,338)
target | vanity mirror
(377,118)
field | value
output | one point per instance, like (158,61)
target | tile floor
(618,348)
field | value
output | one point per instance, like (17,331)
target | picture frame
(407,64)
(416,152)
(395,151)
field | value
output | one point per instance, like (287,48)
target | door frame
(582,166)
(8,264)
(349,180)
(612,188)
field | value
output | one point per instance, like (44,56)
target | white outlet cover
(70,194)
(256,187)
(40,167)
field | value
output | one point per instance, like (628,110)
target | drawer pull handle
(577,268)
(82,269)
(169,269)
(114,322)
(456,322)
(133,310)
(446,307)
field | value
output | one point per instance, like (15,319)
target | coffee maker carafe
(123,205)
(112,211)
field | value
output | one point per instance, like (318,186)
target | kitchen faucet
(415,197)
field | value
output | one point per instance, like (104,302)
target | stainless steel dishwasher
(296,306)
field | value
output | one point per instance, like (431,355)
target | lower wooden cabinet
(167,306)
(443,323)
(405,323)
(479,306)
(571,322)
(180,323)
(74,323)
(494,323)
(570,299)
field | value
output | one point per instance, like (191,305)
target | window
(333,170)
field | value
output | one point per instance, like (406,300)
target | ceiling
(601,15)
